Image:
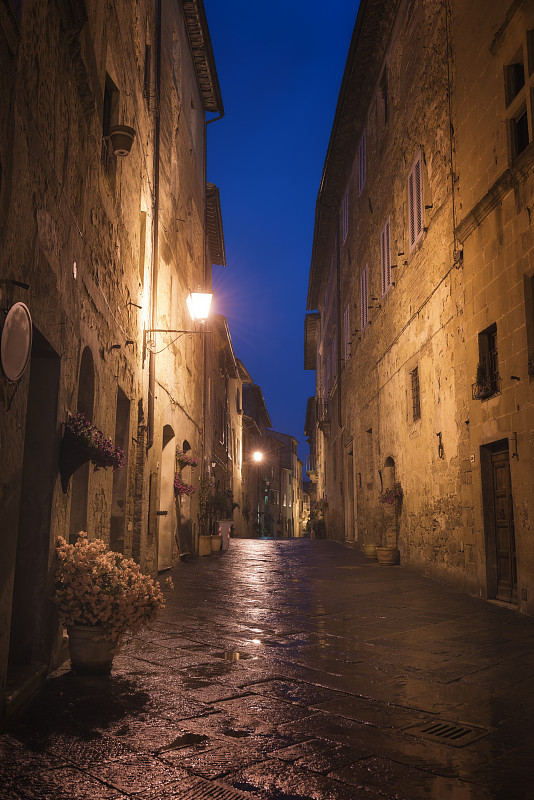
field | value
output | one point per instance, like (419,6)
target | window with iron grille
(362,161)
(415,202)
(385,258)
(487,381)
(364,300)
(416,394)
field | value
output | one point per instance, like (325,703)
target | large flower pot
(90,650)
(204,545)
(387,556)
(369,551)
(216,542)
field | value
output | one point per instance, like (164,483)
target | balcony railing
(323,414)
(312,467)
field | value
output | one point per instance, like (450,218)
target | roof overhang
(214,226)
(226,340)
(369,41)
(202,52)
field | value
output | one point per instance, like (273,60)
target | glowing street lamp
(257,456)
(198,304)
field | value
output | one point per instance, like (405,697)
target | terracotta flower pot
(90,650)
(121,137)
(387,556)
(369,551)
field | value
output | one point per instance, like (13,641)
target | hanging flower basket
(392,496)
(182,488)
(83,442)
(185,460)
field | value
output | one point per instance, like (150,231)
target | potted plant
(100,595)
(83,442)
(317,521)
(387,553)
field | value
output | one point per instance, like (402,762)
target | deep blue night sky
(280,66)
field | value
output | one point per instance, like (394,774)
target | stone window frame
(518,96)
(413,423)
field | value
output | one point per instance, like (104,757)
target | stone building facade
(423,206)
(102,249)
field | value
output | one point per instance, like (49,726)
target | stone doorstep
(22,687)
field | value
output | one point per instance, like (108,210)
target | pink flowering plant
(185,460)
(183,488)
(99,448)
(97,587)
(392,495)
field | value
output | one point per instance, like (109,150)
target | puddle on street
(183,741)
(232,655)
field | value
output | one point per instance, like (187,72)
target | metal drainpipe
(155,244)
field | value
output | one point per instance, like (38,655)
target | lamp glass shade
(257,456)
(198,304)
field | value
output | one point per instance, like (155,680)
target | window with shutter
(385,258)
(364,311)
(346,334)
(415,202)
(362,165)
(345,217)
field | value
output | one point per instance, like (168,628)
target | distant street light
(257,456)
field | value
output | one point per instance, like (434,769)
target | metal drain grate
(452,733)
(205,790)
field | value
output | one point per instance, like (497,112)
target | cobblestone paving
(292,670)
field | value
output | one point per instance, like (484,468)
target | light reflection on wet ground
(292,670)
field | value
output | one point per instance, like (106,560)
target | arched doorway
(80,478)
(167,510)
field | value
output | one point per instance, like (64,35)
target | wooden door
(504,529)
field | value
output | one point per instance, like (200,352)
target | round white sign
(16,344)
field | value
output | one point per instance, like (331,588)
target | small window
(110,116)
(346,333)
(362,161)
(385,258)
(345,217)
(415,202)
(364,300)
(416,394)
(487,381)
(519,130)
(514,77)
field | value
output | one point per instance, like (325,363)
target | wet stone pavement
(292,670)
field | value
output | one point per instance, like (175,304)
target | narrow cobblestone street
(292,669)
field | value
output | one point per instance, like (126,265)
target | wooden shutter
(385,258)
(363,300)
(415,202)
